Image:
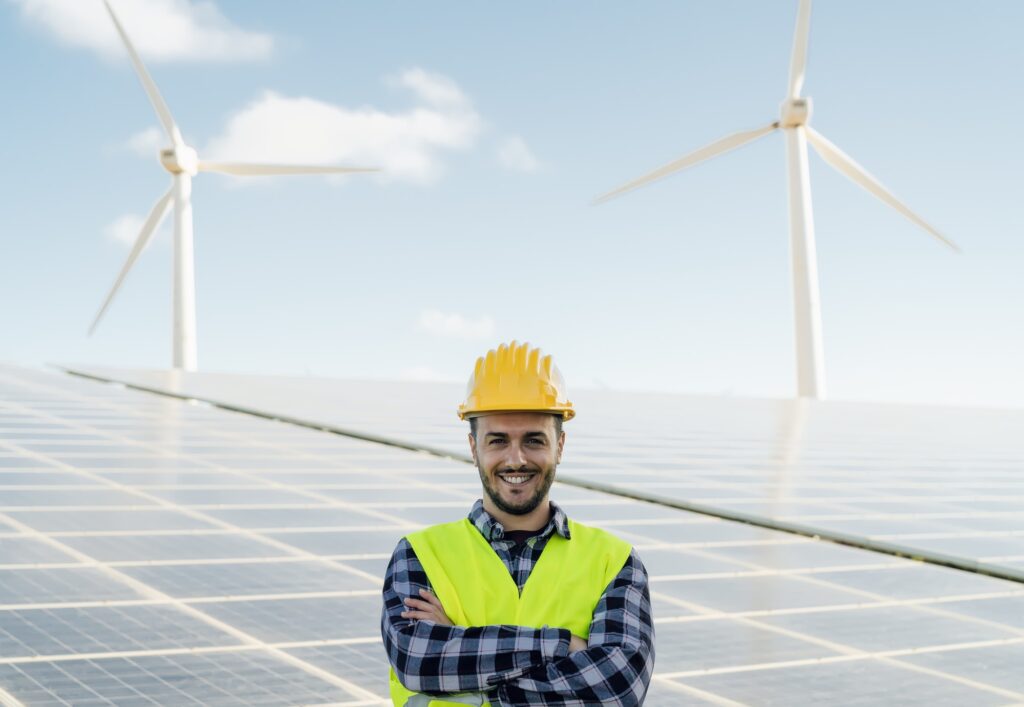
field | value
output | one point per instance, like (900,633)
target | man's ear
(561,443)
(472,445)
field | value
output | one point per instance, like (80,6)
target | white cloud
(434,89)
(456,325)
(160,30)
(514,154)
(147,142)
(125,229)
(405,145)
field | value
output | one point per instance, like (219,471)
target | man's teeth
(515,479)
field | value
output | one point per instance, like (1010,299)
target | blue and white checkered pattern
(517,665)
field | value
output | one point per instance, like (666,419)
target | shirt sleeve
(437,659)
(616,667)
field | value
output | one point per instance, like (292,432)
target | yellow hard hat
(515,377)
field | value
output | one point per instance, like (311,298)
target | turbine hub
(794,112)
(180,159)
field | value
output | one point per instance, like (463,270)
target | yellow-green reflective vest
(476,589)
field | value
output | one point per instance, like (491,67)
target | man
(516,604)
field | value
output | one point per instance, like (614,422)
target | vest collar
(493,531)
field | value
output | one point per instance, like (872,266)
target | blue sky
(497,125)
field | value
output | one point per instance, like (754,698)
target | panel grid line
(154,593)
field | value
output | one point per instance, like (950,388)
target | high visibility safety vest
(476,589)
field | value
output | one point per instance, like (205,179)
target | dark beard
(531,504)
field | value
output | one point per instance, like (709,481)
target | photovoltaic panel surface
(274,599)
(946,482)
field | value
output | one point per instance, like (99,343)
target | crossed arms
(428,607)
(525,666)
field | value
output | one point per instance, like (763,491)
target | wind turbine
(183,163)
(794,115)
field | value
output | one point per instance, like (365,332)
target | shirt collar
(492,530)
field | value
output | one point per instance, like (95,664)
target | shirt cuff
(554,642)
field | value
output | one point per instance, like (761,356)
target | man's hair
(558,426)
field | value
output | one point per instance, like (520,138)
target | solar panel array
(943,481)
(155,551)
(947,482)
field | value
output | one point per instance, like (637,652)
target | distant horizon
(588,387)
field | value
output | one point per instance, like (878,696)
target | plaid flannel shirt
(517,665)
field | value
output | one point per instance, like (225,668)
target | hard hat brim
(567,413)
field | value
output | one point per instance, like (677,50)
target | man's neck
(534,520)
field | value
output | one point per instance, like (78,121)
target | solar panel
(218,558)
(945,483)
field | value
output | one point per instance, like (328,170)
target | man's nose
(514,457)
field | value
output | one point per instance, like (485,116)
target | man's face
(516,454)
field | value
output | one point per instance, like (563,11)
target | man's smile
(517,478)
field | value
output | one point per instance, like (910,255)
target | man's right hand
(576,643)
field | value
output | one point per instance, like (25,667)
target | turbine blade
(729,142)
(162,111)
(798,60)
(156,216)
(247,170)
(845,165)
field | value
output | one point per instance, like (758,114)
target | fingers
(429,608)
(429,596)
(429,602)
(420,612)
(419,609)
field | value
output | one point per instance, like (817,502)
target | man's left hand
(426,609)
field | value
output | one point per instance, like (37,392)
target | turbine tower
(793,120)
(183,163)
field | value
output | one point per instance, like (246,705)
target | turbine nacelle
(794,112)
(180,160)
